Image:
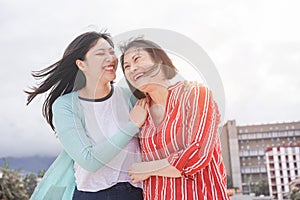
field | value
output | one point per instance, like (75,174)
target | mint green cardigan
(58,182)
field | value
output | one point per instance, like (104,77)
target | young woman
(92,121)
(180,146)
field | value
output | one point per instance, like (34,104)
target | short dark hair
(157,54)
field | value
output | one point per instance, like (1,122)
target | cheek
(126,74)
(115,58)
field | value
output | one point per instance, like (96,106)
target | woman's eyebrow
(103,49)
(132,57)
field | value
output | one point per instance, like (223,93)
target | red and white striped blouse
(188,137)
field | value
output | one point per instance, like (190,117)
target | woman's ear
(80,64)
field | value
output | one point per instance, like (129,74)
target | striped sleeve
(200,123)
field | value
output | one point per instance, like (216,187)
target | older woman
(180,146)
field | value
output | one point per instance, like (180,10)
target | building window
(291,133)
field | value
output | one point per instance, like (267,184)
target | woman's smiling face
(140,69)
(100,62)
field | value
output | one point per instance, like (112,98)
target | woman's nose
(111,57)
(133,67)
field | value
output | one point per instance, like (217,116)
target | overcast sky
(255,46)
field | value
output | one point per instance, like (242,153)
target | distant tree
(229,182)
(14,185)
(11,184)
(30,182)
(41,173)
(262,187)
(294,194)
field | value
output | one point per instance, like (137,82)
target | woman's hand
(138,172)
(143,170)
(138,113)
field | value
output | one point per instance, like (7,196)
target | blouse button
(197,144)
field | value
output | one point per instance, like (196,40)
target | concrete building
(244,149)
(283,167)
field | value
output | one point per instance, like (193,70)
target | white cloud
(254,44)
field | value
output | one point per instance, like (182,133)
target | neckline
(100,99)
(159,125)
(170,89)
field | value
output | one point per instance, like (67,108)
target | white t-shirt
(103,118)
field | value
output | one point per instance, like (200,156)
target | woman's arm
(202,118)
(71,133)
(200,132)
(143,170)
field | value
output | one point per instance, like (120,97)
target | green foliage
(13,185)
(41,173)
(294,194)
(30,182)
(262,187)
(229,182)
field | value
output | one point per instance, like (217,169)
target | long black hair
(64,76)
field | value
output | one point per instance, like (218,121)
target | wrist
(136,123)
(131,129)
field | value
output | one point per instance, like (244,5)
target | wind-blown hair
(64,76)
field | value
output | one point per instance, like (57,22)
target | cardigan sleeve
(200,130)
(71,133)
(129,97)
